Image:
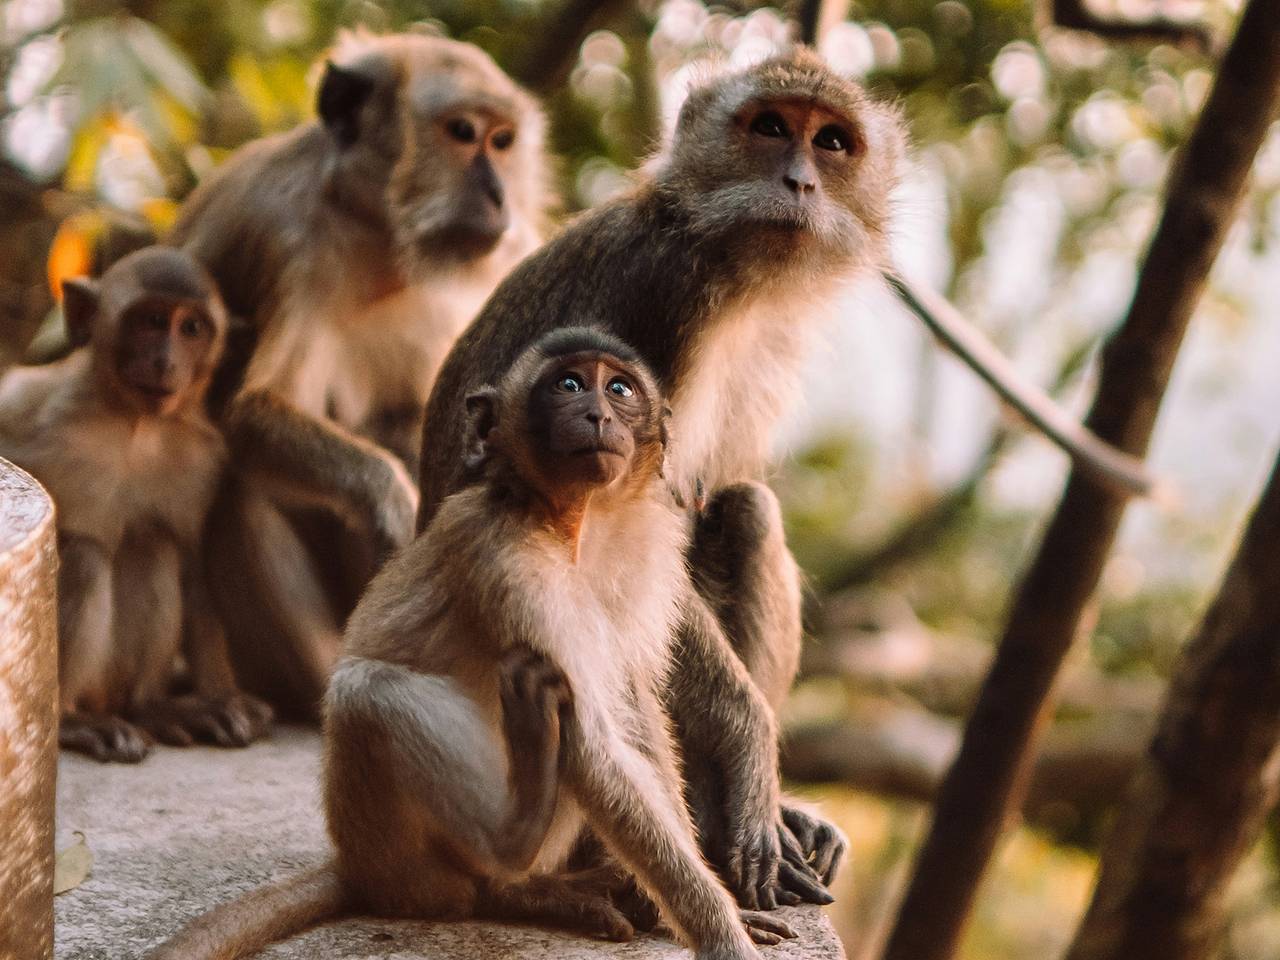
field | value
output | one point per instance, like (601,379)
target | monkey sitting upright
(118,435)
(500,688)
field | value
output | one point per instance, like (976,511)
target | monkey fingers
(555,900)
(105,738)
(752,868)
(797,881)
(534,694)
(232,721)
(766,929)
(823,844)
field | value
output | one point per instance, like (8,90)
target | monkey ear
(79,307)
(343,91)
(664,437)
(482,417)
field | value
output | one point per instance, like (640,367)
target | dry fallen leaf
(72,865)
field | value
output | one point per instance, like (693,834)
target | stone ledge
(189,829)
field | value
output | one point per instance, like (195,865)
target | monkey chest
(138,479)
(372,368)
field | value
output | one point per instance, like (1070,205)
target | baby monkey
(500,688)
(118,435)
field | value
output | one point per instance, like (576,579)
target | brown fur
(500,687)
(718,276)
(357,248)
(132,475)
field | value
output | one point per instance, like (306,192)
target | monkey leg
(282,631)
(742,567)
(85,601)
(556,900)
(86,647)
(743,570)
(216,710)
(450,796)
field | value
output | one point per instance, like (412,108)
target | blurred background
(912,502)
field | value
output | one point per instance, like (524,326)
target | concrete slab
(189,829)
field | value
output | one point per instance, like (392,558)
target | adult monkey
(357,247)
(774,192)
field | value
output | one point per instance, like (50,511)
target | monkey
(355,249)
(117,433)
(773,192)
(500,685)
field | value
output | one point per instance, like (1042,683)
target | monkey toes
(765,928)
(105,738)
(233,721)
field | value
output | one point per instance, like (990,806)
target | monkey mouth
(596,449)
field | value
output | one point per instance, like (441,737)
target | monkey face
(155,324)
(455,206)
(450,143)
(585,411)
(163,346)
(790,147)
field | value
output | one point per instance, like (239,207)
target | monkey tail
(263,916)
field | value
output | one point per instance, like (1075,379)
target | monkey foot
(560,901)
(107,739)
(231,721)
(765,928)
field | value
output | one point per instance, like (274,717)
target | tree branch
(1209,777)
(1076,15)
(554,46)
(987,782)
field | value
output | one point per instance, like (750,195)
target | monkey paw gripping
(107,739)
(235,720)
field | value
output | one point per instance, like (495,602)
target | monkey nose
(798,182)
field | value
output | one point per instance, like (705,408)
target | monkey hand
(394,511)
(535,696)
(234,720)
(107,739)
(766,866)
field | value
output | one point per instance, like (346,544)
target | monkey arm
(729,738)
(312,462)
(625,800)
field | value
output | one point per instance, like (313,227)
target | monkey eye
(156,321)
(462,130)
(570,384)
(191,327)
(619,387)
(503,139)
(833,138)
(770,124)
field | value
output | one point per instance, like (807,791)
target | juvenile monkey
(501,684)
(774,193)
(356,247)
(117,432)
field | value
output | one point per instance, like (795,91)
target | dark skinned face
(585,410)
(162,347)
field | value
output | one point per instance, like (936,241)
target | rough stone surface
(189,829)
